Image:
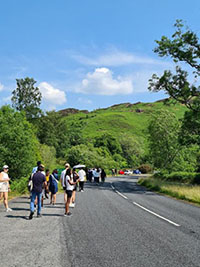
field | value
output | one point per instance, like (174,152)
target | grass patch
(186,192)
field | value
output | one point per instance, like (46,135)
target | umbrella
(78,166)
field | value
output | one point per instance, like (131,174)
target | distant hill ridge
(70,111)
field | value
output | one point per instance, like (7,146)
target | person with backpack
(53,186)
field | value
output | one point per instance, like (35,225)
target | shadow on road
(17,217)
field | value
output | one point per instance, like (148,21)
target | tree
(52,131)
(184,47)
(108,141)
(26,97)
(132,150)
(163,139)
(19,147)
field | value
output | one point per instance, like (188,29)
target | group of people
(94,175)
(42,183)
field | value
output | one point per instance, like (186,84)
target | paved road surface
(116,224)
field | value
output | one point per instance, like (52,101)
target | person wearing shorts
(62,180)
(5,187)
(76,180)
(69,183)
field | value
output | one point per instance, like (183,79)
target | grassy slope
(121,119)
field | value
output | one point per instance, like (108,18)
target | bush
(20,185)
(145,168)
(182,177)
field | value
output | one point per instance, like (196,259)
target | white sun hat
(5,167)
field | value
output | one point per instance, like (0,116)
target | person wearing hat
(4,186)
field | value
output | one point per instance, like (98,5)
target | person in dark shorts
(76,180)
(69,190)
(38,181)
(53,186)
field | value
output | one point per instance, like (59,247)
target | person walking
(69,183)
(103,176)
(53,186)
(75,180)
(62,180)
(81,175)
(5,187)
(96,174)
(35,169)
(38,180)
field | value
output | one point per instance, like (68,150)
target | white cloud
(117,58)
(51,95)
(101,82)
(1,86)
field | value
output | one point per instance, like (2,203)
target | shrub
(20,185)
(145,168)
(182,177)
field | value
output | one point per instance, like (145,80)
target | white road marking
(121,194)
(155,214)
(118,192)
(138,205)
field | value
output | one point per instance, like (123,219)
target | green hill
(126,118)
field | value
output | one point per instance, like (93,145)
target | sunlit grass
(190,193)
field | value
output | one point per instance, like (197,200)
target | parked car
(121,172)
(137,172)
(128,172)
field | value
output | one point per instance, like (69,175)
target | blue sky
(87,54)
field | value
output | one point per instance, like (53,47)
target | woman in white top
(4,186)
(69,183)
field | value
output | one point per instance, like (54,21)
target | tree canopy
(26,97)
(183,47)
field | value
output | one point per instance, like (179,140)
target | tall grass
(189,193)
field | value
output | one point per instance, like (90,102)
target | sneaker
(8,209)
(67,214)
(72,205)
(31,215)
(39,216)
(82,190)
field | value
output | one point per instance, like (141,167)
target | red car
(121,172)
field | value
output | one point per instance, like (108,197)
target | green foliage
(90,156)
(186,159)
(26,97)
(163,139)
(190,130)
(182,177)
(52,131)
(184,47)
(108,141)
(18,145)
(132,150)
(20,185)
(48,156)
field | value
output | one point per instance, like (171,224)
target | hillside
(126,118)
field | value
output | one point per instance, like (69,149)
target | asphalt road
(115,224)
